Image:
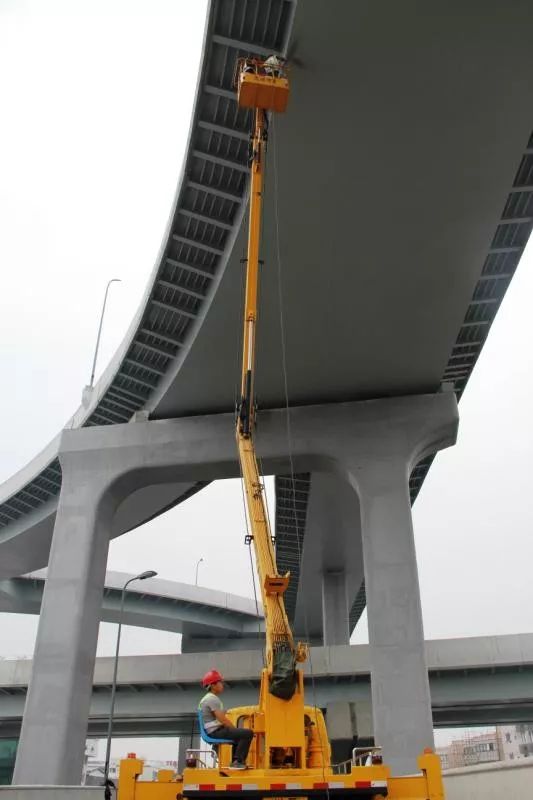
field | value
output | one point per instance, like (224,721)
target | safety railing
(200,758)
(366,756)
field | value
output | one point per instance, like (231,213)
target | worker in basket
(217,725)
(274,66)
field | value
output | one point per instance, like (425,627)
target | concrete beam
(340,722)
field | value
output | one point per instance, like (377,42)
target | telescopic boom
(281,654)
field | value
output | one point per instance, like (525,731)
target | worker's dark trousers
(242,738)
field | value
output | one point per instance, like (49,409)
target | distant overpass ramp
(194,611)
(404,198)
(477,681)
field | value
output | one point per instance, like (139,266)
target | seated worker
(218,725)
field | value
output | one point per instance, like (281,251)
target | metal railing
(199,758)
(366,756)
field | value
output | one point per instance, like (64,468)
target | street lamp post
(113,280)
(141,577)
(197,565)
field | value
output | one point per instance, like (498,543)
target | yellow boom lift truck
(290,755)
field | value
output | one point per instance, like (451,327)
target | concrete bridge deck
(195,611)
(476,681)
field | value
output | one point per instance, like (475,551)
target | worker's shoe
(237,765)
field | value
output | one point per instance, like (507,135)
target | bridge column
(54,728)
(340,722)
(383,458)
(400,687)
(335,612)
(331,568)
(349,725)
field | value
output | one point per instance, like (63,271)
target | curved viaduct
(399,201)
(204,616)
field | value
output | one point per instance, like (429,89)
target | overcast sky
(96,102)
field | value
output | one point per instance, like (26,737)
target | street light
(141,577)
(113,280)
(197,565)
(88,389)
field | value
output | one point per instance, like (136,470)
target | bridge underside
(388,208)
(393,171)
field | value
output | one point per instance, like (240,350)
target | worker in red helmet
(217,725)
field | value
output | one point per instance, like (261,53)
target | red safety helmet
(211,677)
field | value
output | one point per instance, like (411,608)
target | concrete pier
(372,445)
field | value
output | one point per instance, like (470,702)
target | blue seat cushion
(205,736)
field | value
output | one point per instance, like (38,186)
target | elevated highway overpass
(398,205)
(207,615)
(404,204)
(477,681)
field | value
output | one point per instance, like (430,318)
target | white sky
(96,99)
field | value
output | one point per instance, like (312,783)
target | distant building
(483,748)
(503,743)
(517,741)
(452,755)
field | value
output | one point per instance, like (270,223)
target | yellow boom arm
(281,653)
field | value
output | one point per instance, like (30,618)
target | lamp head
(150,573)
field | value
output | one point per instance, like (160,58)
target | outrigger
(290,755)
